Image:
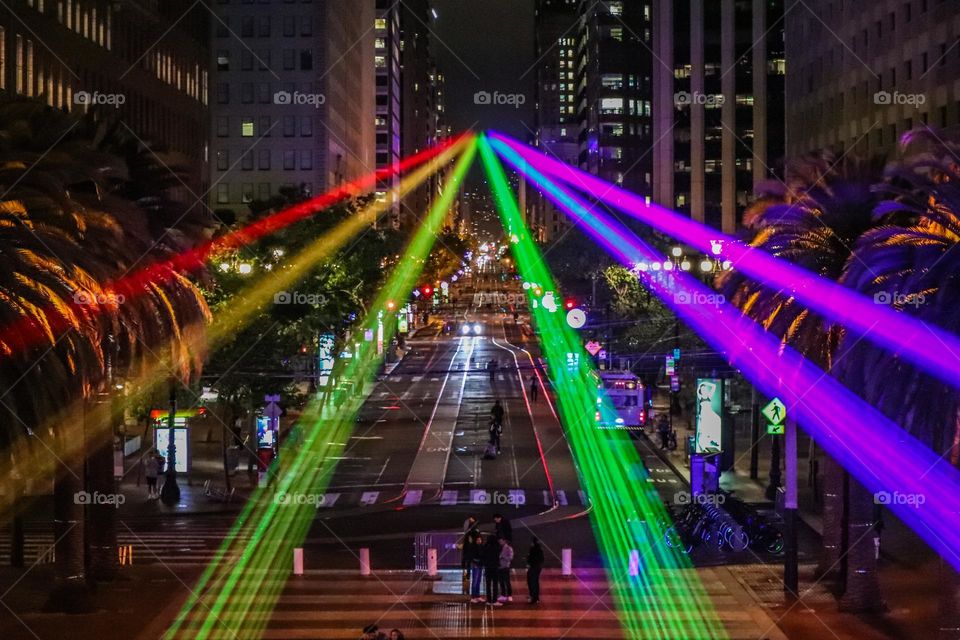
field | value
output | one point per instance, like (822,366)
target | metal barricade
(448,546)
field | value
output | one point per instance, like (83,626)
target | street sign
(593,347)
(676,353)
(776,429)
(671,366)
(674,384)
(775,412)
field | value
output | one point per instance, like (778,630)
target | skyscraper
(614,93)
(294,94)
(387,45)
(421,86)
(556,127)
(862,73)
(718,125)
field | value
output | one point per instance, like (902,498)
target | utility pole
(754,437)
(790,568)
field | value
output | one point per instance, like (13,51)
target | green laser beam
(251,570)
(665,599)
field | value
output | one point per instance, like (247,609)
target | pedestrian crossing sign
(775,412)
(775,429)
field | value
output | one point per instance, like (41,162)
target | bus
(625,392)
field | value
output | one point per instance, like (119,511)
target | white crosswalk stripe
(337,605)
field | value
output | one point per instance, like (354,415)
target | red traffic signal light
(427,290)
(569,303)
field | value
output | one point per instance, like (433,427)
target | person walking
(396,634)
(503,572)
(534,567)
(151,469)
(492,368)
(534,388)
(496,430)
(502,527)
(490,552)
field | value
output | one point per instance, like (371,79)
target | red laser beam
(25,333)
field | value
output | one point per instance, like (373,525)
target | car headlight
(478,328)
(466,329)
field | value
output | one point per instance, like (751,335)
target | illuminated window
(615,8)
(380,23)
(246,127)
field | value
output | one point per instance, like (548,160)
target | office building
(147,59)
(293,103)
(861,73)
(718,119)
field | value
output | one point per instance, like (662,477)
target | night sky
(486,45)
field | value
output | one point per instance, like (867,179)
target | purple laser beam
(927,346)
(892,465)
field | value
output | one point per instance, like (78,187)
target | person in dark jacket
(473,563)
(502,527)
(534,567)
(490,552)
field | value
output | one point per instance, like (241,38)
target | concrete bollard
(298,561)
(365,561)
(432,563)
(634,569)
(566,562)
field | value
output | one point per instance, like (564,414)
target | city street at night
(519,319)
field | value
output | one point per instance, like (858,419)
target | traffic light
(427,290)
(569,303)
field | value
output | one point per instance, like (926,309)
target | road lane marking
(369,497)
(412,498)
(449,498)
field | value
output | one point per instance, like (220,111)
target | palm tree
(814,222)
(74,227)
(913,264)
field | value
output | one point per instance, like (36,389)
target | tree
(814,222)
(72,230)
(912,263)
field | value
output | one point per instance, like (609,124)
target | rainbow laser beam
(240,588)
(664,599)
(242,307)
(891,463)
(25,333)
(926,345)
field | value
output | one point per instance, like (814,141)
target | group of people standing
(488,560)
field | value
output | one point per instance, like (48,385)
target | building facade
(718,125)
(422,89)
(387,45)
(73,54)
(293,98)
(882,68)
